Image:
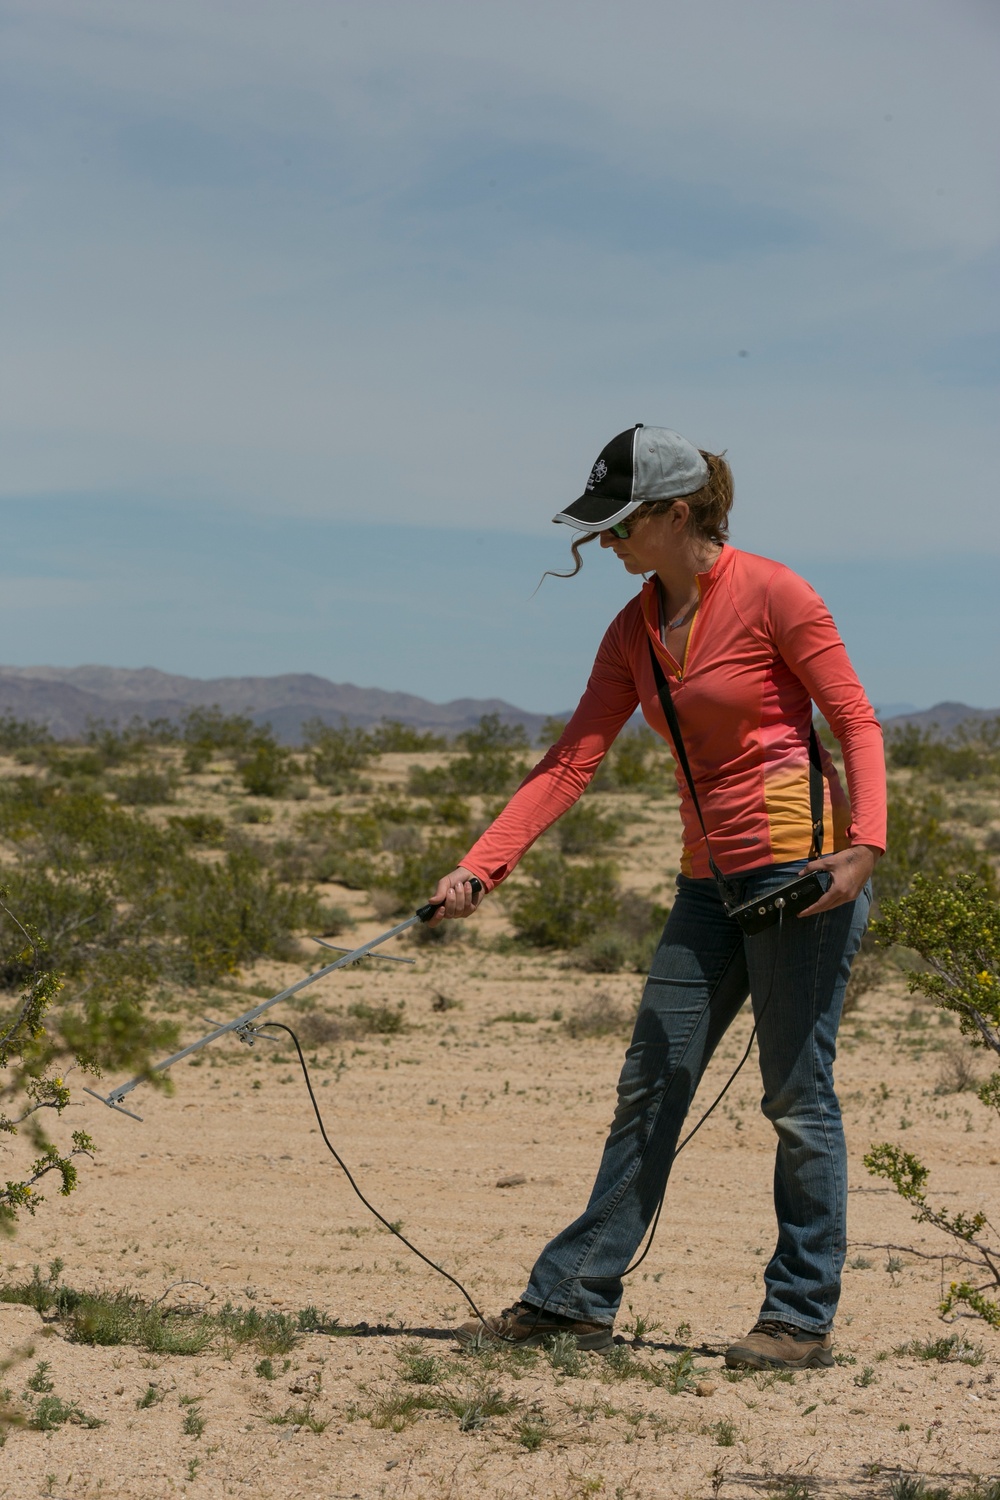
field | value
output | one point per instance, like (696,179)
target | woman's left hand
(848,870)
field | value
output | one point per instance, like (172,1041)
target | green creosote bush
(98,880)
(22,734)
(489,767)
(580,906)
(391,736)
(413,873)
(560,904)
(638,761)
(332,847)
(265,766)
(146,787)
(201,828)
(337,756)
(920,843)
(968,752)
(208,733)
(552,730)
(124,904)
(954,926)
(629,943)
(585,829)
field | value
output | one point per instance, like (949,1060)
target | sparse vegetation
(122,1317)
(154,911)
(954,925)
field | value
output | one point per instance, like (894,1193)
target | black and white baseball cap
(640,464)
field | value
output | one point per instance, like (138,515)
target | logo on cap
(597,473)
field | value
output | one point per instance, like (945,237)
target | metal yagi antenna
(243,1026)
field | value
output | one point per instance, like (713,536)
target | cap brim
(592,513)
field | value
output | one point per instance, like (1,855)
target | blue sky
(314,314)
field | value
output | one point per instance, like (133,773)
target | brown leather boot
(523,1327)
(773,1345)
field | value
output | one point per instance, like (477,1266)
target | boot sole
(587,1343)
(819,1359)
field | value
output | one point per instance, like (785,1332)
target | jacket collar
(707,581)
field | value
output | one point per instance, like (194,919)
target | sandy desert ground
(477,1128)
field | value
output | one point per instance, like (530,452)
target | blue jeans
(702,972)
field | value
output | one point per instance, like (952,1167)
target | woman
(744,648)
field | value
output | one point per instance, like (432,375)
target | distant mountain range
(67,698)
(943,716)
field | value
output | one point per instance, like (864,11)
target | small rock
(705,1388)
(392,1463)
(513,1179)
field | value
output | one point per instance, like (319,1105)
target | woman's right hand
(454,891)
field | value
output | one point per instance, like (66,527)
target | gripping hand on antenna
(457,896)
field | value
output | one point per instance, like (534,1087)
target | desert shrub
(969,751)
(559,905)
(146,787)
(599,1015)
(584,829)
(919,842)
(98,880)
(22,734)
(381,1020)
(208,732)
(551,731)
(489,767)
(954,925)
(333,847)
(637,761)
(115,744)
(392,735)
(628,942)
(264,766)
(414,873)
(200,828)
(336,756)
(229,914)
(451,810)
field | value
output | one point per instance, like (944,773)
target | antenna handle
(426,912)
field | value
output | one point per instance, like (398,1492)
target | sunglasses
(622,530)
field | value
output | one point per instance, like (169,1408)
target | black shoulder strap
(816,788)
(815,770)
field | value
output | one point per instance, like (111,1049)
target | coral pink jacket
(761,650)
